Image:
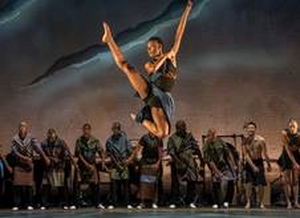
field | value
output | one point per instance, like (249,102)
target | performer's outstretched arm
(181,29)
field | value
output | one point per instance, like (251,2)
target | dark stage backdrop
(239,61)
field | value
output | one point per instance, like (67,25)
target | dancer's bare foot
(107,35)
(297,206)
(133,116)
(248,205)
(289,205)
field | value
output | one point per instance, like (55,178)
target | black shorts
(285,162)
(256,178)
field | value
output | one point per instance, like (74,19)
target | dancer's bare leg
(260,192)
(248,195)
(286,181)
(135,78)
(160,126)
(296,187)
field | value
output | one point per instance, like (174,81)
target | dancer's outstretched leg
(135,78)
(160,126)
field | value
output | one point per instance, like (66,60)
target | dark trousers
(216,189)
(7,200)
(218,198)
(55,196)
(182,192)
(230,192)
(38,178)
(23,196)
(95,191)
(120,188)
(160,192)
(89,196)
(2,192)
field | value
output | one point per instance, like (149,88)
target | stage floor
(160,213)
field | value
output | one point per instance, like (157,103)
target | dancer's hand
(28,159)
(90,167)
(171,55)
(55,160)
(255,168)
(107,35)
(296,166)
(127,162)
(190,3)
(219,175)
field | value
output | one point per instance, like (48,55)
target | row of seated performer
(46,174)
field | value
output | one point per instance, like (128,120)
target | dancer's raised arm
(153,67)
(181,29)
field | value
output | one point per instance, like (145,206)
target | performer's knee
(295,181)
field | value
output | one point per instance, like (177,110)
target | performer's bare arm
(264,147)
(285,141)
(153,67)
(248,159)
(134,154)
(181,29)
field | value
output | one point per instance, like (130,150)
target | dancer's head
(181,127)
(250,128)
(51,135)
(23,129)
(155,47)
(211,135)
(87,130)
(116,128)
(293,126)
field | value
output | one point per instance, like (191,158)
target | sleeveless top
(294,140)
(165,76)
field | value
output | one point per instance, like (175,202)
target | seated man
(88,150)
(221,163)
(182,147)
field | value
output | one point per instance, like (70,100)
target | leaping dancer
(162,73)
